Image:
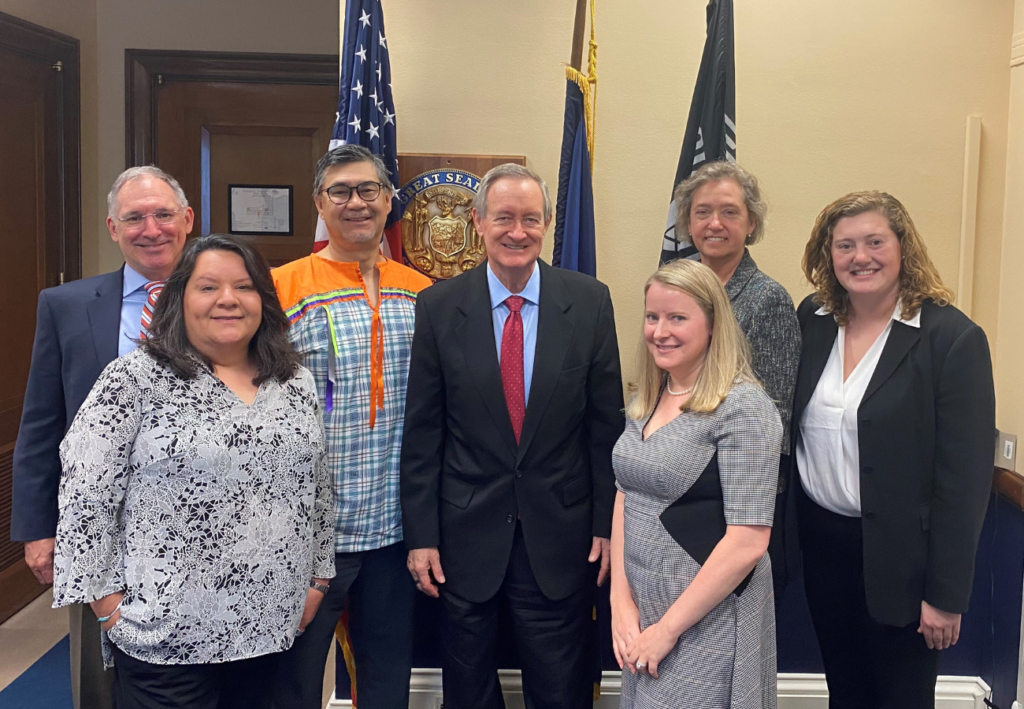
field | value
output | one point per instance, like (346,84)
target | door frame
(63,259)
(62,52)
(146,69)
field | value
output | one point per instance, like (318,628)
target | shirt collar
(133,281)
(499,292)
(897,315)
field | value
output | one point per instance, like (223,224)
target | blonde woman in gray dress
(693,622)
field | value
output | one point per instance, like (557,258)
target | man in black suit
(513,406)
(80,328)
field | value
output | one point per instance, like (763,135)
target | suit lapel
(554,333)
(901,338)
(476,340)
(105,317)
(819,338)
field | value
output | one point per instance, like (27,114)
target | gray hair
(510,171)
(134,173)
(345,155)
(757,208)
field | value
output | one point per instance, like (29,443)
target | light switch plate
(1006,451)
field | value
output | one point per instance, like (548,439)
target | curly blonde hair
(728,357)
(919,279)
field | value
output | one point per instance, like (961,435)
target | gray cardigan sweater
(767,317)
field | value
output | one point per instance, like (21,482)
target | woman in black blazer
(894,425)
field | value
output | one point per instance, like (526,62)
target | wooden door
(214,119)
(211,135)
(39,233)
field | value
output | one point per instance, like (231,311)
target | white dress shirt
(828,453)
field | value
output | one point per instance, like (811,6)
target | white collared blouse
(828,453)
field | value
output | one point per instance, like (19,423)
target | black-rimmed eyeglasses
(340,194)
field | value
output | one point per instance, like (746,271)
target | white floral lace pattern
(212,516)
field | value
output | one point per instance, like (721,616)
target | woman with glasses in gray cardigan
(721,210)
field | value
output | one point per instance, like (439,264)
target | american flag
(366,109)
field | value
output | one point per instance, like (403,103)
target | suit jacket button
(510,519)
(867,470)
(869,515)
(866,423)
(519,473)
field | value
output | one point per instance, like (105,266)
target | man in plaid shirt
(352,315)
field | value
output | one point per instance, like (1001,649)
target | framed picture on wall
(260,210)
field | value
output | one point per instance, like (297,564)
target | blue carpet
(44,685)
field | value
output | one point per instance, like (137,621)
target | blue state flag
(575,239)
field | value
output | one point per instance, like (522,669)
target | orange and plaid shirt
(359,357)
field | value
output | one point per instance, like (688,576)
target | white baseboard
(795,691)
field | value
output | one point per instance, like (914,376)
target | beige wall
(831,97)
(1010,346)
(75,18)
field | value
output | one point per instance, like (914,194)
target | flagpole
(579,29)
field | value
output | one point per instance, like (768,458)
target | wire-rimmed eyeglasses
(161,216)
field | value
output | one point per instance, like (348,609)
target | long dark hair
(168,344)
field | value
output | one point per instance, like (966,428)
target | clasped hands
(640,651)
(425,565)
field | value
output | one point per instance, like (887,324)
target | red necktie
(512,364)
(154,288)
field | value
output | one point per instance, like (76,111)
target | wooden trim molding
(1010,485)
(62,54)
(795,691)
(1017,50)
(145,70)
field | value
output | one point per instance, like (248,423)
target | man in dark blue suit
(80,328)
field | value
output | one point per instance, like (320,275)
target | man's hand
(105,607)
(423,562)
(313,599)
(601,549)
(39,557)
(939,628)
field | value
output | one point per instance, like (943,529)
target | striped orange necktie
(154,288)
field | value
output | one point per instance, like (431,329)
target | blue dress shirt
(500,311)
(133,297)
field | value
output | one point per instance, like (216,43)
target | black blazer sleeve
(423,438)
(964,440)
(43,417)
(605,420)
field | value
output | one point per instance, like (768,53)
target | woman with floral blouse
(195,504)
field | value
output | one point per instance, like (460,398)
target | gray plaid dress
(728,658)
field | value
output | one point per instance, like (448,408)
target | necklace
(668,387)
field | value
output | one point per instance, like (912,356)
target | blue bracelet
(104,619)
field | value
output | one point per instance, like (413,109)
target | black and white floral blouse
(212,516)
